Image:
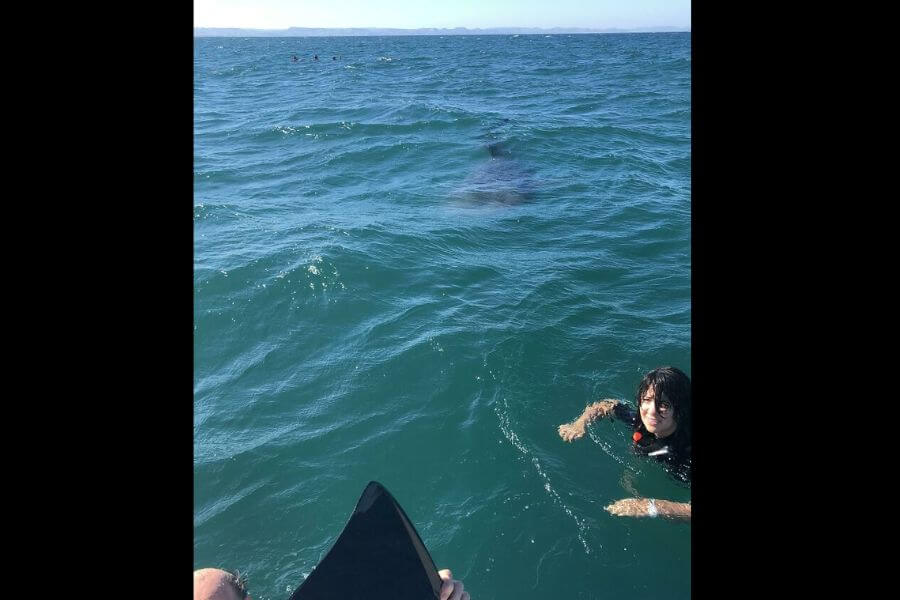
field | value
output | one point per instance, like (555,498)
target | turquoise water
(411,264)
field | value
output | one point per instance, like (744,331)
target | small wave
(220,506)
(605,446)
(513,439)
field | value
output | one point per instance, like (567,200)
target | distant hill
(373,31)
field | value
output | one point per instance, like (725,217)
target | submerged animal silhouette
(500,179)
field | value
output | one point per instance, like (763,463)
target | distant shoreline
(374,31)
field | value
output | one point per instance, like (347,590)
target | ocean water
(412,262)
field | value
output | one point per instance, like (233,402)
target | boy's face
(658,416)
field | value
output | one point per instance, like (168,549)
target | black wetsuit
(674,451)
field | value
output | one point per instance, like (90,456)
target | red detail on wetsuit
(637,436)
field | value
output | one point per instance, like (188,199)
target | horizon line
(642,29)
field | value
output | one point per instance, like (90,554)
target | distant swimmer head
(316,57)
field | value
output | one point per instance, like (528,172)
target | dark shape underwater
(378,556)
(499,180)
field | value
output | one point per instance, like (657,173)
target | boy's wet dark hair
(676,387)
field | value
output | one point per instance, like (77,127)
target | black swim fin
(378,556)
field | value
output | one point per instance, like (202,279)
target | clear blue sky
(412,14)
